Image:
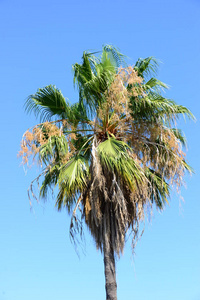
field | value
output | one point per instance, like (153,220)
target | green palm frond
(63,199)
(152,107)
(72,181)
(188,167)
(77,114)
(155,84)
(113,147)
(180,136)
(116,57)
(155,107)
(94,75)
(49,181)
(74,174)
(114,156)
(54,149)
(160,190)
(87,86)
(82,72)
(146,66)
(46,103)
(184,111)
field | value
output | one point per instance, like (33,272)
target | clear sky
(39,41)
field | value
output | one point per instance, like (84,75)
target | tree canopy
(118,143)
(113,154)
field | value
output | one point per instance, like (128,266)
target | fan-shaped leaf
(46,103)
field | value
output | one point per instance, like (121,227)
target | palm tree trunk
(110,275)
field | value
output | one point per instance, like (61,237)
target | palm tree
(113,155)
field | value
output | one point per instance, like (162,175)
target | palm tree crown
(113,154)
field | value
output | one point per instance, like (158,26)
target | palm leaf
(154,107)
(114,156)
(155,84)
(116,57)
(159,188)
(146,66)
(54,149)
(46,103)
(50,181)
(74,174)
(180,136)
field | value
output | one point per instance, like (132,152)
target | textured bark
(110,275)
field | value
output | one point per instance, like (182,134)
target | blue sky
(40,40)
